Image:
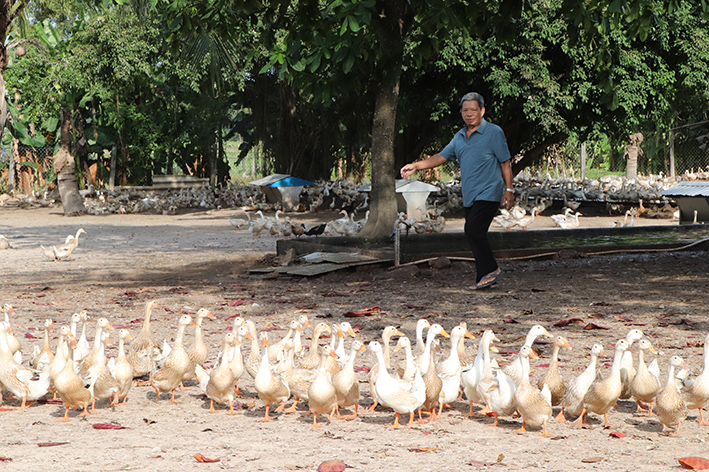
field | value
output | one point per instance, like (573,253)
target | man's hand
(408,170)
(508,200)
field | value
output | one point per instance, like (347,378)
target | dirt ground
(196,260)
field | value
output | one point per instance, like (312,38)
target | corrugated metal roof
(693,188)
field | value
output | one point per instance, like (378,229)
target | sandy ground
(196,260)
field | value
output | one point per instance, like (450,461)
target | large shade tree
(356,45)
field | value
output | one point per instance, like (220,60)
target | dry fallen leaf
(374,310)
(50,444)
(595,326)
(423,449)
(5,409)
(616,434)
(568,321)
(200,458)
(108,426)
(694,463)
(236,302)
(332,466)
(3,459)
(591,460)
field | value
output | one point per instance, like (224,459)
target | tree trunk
(64,167)
(390,26)
(383,197)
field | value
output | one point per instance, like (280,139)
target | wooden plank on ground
(325,267)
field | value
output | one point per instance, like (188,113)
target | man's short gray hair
(474,96)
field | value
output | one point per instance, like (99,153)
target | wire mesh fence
(691,151)
(29,169)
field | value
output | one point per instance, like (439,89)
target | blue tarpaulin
(291,182)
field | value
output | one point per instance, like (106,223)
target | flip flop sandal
(488,281)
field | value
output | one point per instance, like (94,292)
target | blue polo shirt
(479,157)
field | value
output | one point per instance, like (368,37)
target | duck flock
(347,195)
(434,372)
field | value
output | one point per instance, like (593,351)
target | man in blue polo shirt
(480,148)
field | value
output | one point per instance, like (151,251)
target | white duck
(101,383)
(696,392)
(572,402)
(236,362)
(501,395)
(387,334)
(646,382)
(406,369)
(345,328)
(170,375)
(271,388)
(449,370)
(120,368)
(322,396)
(423,360)
(219,383)
(12,341)
(346,383)
(198,352)
(472,374)
(18,379)
(83,347)
(43,355)
(603,394)
(627,370)
(402,397)
(534,406)
(671,409)
(514,368)
(552,377)
(421,325)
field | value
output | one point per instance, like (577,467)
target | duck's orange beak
(533,355)
(351,332)
(468,335)
(211,316)
(567,345)
(652,349)
(129,336)
(444,334)
(362,348)
(109,326)
(334,354)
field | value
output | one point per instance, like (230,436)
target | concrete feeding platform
(410,196)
